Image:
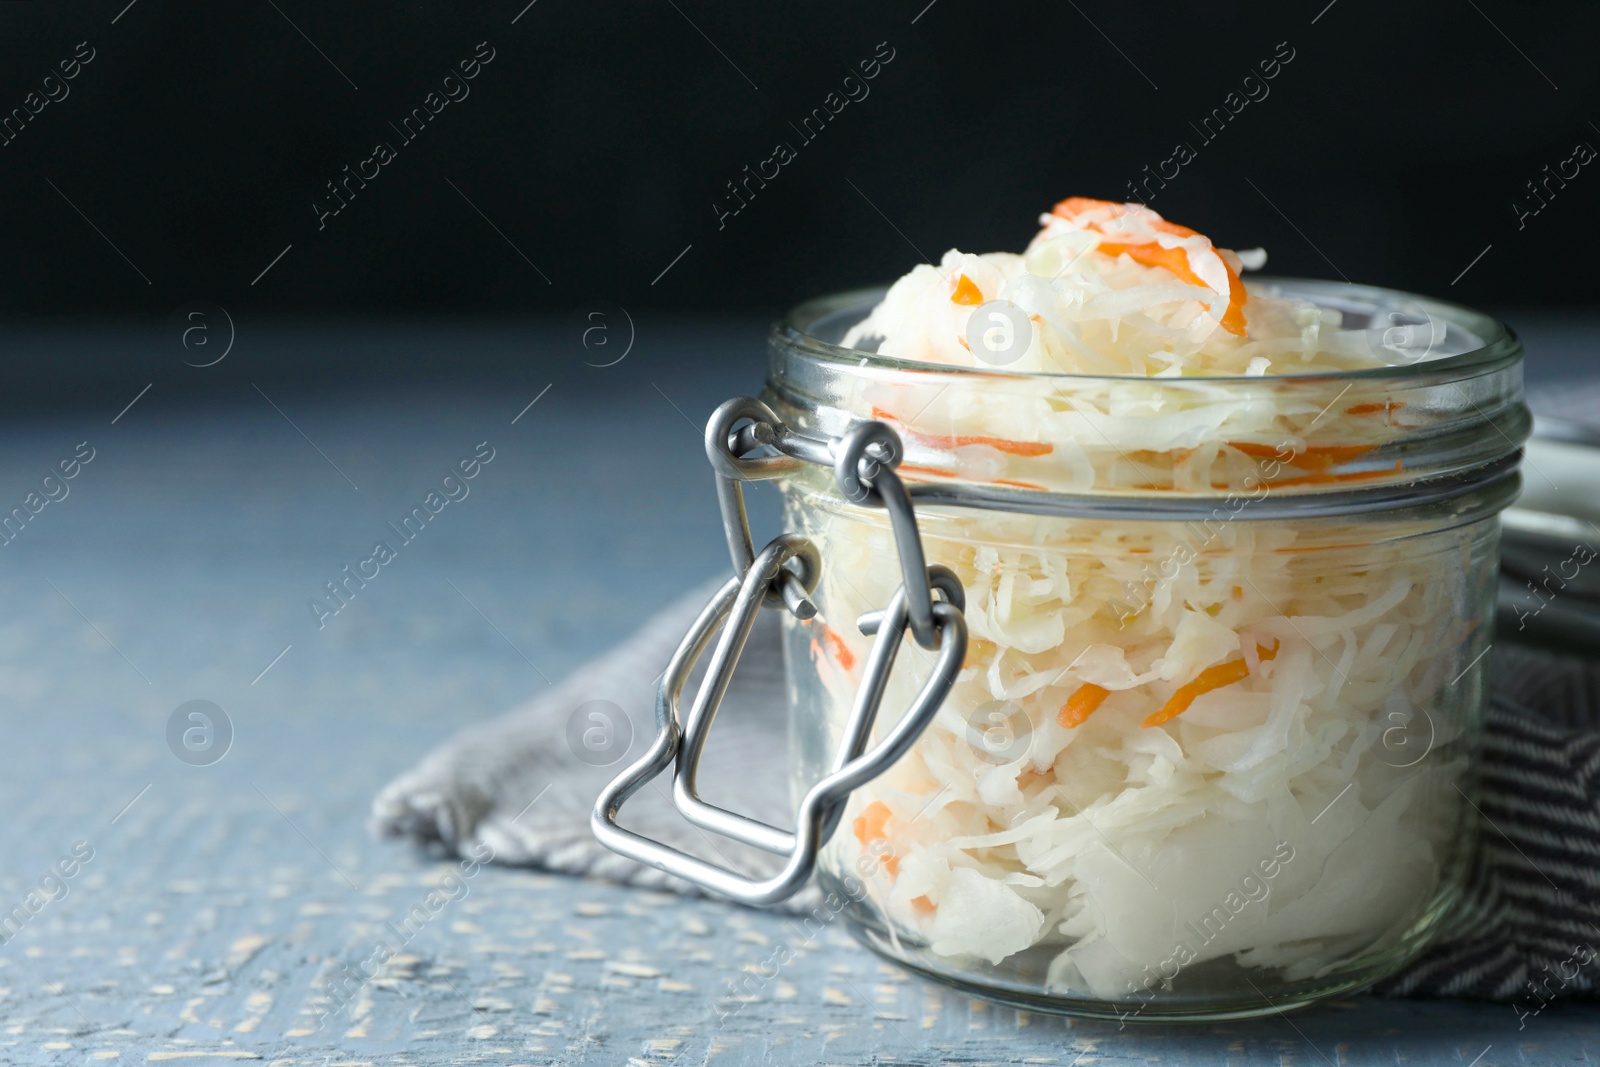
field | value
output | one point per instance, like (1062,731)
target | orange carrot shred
(869,825)
(841,651)
(923,904)
(1081,704)
(912,468)
(1223,674)
(872,825)
(967,292)
(1176,260)
(1016,448)
(1073,206)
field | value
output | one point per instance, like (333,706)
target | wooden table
(222,903)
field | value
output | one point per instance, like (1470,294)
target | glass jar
(1210,751)
(1187,723)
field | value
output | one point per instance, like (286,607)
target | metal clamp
(785,572)
(864,471)
(727,455)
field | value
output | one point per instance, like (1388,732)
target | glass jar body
(1189,769)
(1211,750)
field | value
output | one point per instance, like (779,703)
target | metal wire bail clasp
(727,453)
(784,573)
(732,613)
(864,463)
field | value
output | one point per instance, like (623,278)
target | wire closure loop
(727,451)
(732,612)
(864,472)
(784,573)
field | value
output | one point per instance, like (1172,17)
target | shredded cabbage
(1059,803)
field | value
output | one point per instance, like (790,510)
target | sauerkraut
(1171,742)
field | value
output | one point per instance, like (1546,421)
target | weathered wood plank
(227,909)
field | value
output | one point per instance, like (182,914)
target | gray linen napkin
(524,783)
(1530,924)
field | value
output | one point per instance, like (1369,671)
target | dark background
(1390,150)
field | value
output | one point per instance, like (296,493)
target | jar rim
(1442,424)
(1500,346)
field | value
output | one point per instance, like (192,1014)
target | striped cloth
(1529,925)
(1529,928)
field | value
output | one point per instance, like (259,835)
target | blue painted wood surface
(226,907)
